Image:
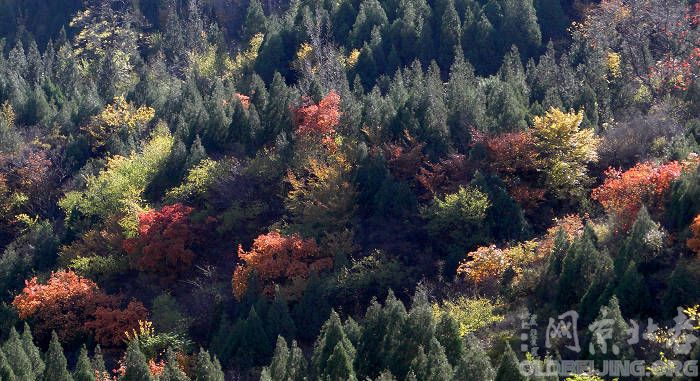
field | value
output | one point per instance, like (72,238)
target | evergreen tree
(196,153)
(98,362)
(633,293)
(278,320)
(450,36)
(83,368)
(439,368)
(172,371)
(278,367)
(6,373)
(33,352)
(208,369)
(333,351)
(447,333)
(475,365)
(509,370)
(255,20)
(615,347)
(310,312)
(17,357)
(136,364)
(56,364)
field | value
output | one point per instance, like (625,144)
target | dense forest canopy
(349,190)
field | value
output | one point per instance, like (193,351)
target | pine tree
(208,369)
(339,366)
(439,368)
(33,352)
(633,293)
(333,350)
(475,365)
(255,20)
(278,320)
(196,153)
(136,364)
(447,333)
(602,347)
(450,36)
(98,362)
(278,367)
(509,370)
(56,364)
(6,373)
(172,371)
(16,356)
(83,368)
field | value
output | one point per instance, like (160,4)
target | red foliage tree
(74,307)
(111,324)
(278,260)
(319,120)
(623,193)
(163,244)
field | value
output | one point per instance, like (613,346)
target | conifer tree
(6,373)
(83,368)
(439,368)
(208,369)
(136,364)
(278,320)
(56,364)
(172,371)
(447,333)
(450,35)
(32,351)
(475,365)
(255,20)
(17,357)
(98,362)
(333,350)
(278,367)
(509,370)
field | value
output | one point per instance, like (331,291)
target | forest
(363,190)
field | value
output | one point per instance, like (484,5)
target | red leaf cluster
(319,120)
(623,193)
(162,246)
(73,307)
(278,260)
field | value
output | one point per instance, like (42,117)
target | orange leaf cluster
(277,260)
(572,225)
(694,241)
(445,176)
(623,193)
(71,306)
(244,99)
(490,262)
(319,119)
(163,244)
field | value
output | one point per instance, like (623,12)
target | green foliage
(83,367)
(207,369)
(118,189)
(509,369)
(333,352)
(172,371)
(56,364)
(32,351)
(136,365)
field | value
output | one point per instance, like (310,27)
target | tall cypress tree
(475,365)
(56,364)
(6,372)
(450,36)
(136,364)
(98,362)
(32,351)
(83,368)
(172,371)
(332,350)
(208,369)
(509,370)
(16,356)
(255,20)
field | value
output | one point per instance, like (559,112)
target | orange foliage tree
(490,262)
(623,193)
(320,119)
(163,243)
(69,305)
(694,242)
(279,260)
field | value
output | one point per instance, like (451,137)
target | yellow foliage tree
(566,149)
(118,115)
